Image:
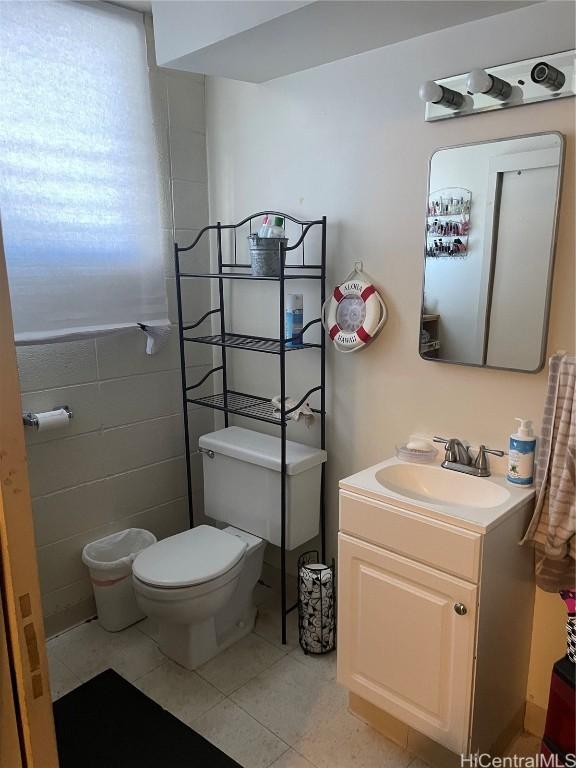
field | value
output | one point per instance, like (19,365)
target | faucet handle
(456,451)
(493,451)
(448,447)
(481,462)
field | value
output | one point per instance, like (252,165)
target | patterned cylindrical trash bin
(569,597)
(571,633)
(266,254)
(316,604)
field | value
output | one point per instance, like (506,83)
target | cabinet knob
(460,609)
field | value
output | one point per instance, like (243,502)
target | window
(79,191)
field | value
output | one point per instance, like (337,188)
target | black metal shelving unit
(231,402)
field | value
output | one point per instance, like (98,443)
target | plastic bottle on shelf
(272,226)
(264,227)
(294,319)
(276,227)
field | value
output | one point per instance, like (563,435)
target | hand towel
(553,526)
(304,412)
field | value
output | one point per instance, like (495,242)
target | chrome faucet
(458,457)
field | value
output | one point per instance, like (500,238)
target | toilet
(198,585)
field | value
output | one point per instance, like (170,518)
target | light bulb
(439,94)
(431,91)
(479,81)
(548,76)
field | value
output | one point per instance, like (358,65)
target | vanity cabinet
(434,619)
(402,645)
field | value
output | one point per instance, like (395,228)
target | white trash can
(109,561)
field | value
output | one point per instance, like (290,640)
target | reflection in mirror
(490,230)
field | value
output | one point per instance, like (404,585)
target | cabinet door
(402,645)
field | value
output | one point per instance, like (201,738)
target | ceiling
(259,41)
(144,6)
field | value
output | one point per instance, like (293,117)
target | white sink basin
(476,503)
(435,485)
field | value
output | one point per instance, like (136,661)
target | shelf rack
(454,204)
(230,402)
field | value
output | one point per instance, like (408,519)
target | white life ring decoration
(355,314)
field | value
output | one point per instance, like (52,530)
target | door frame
(26,644)
(498,165)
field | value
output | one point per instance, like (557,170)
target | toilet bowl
(198,586)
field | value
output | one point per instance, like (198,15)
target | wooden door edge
(24,621)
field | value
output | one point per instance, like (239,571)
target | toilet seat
(198,556)
(169,595)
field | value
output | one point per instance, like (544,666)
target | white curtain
(79,192)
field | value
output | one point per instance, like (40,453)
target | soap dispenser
(521,454)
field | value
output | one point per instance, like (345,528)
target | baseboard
(56,623)
(506,738)
(432,753)
(403,735)
(381,721)
(418,744)
(535,719)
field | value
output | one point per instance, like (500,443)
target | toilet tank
(242,482)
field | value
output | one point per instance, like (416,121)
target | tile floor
(264,704)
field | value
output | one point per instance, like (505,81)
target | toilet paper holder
(31,419)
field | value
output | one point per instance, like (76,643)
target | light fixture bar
(530,81)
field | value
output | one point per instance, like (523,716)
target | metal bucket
(266,255)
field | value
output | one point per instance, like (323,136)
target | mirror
(489,252)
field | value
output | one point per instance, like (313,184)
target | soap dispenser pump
(521,454)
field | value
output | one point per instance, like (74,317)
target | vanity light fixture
(432,93)
(479,81)
(548,76)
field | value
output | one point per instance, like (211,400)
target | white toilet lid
(192,557)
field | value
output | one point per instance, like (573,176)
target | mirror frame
(551,262)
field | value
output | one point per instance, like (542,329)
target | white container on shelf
(250,498)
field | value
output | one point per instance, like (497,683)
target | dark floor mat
(108,723)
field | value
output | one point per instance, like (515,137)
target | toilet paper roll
(316,585)
(51,420)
